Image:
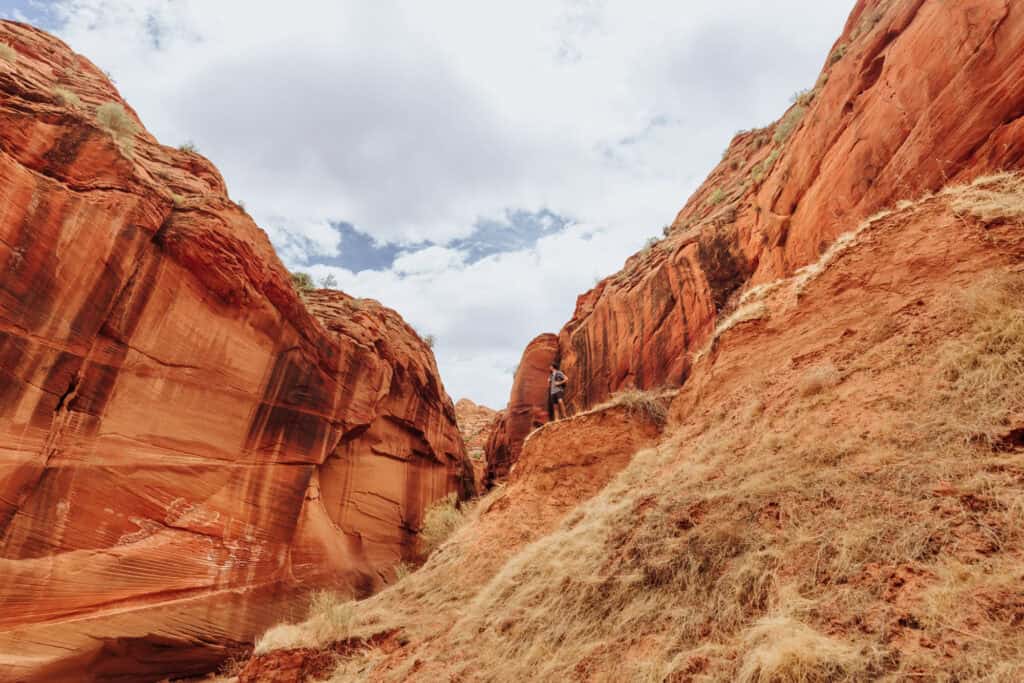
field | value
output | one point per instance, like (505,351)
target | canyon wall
(915,94)
(527,407)
(186,447)
(475,422)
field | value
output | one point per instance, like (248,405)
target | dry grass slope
(868,529)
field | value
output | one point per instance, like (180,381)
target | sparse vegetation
(789,123)
(666,229)
(113,118)
(992,199)
(329,618)
(762,137)
(762,168)
(804,97)
(188,146)
(717,197)
(329,282)
(429,340)
(7,53)
(302,282)
(178,200)
(650,244)
(67,98)
(838,54)
(441,521)
(982,370)
(648,404)
(870,19)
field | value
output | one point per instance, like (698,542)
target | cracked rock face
(186,448)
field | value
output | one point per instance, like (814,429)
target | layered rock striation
(915,94)
(185,445)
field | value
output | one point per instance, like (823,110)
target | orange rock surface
(185,447)
(527,407)
(475,423)
(914,94)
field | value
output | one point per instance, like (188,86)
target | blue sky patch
(518,230)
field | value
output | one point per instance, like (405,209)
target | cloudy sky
(474,164)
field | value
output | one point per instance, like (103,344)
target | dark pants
(555,398)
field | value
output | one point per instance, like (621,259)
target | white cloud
(430,262)
(414,120)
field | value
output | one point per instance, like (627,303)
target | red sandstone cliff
(915,94)
(184,445)
(527,407)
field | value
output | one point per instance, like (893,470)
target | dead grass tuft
(647,404)
(329,618)
(67,98)
(441,520)
(780,649)
(992,199)
(114,118)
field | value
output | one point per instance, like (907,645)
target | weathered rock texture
(527,407)
(475,423)
(184,446)
(915,94)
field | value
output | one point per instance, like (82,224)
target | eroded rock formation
(897,112)
(475,423)
(184,445)
(527,407)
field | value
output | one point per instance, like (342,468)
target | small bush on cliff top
(7,53)
(115,120)
(188,146)
(302,282)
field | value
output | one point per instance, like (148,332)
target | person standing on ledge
(557,383)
